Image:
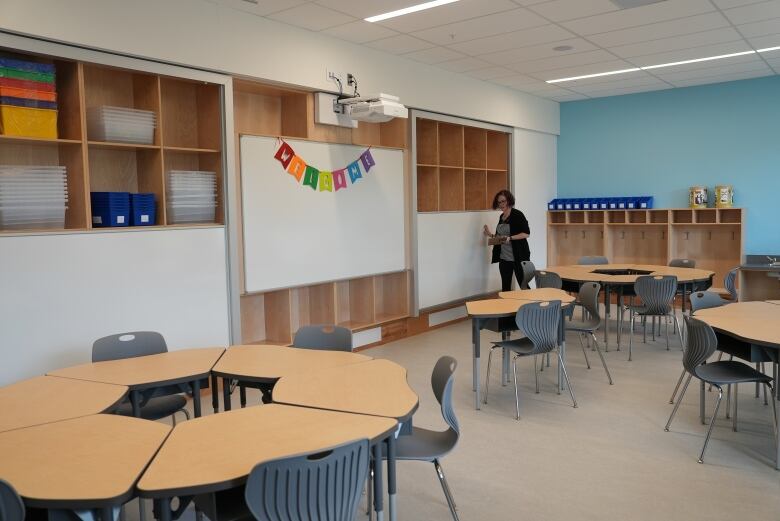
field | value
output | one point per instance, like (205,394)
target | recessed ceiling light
(407,10)
(562,48)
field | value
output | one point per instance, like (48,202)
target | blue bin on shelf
(577,204)
(142,210)
(645,201)
(110,209)
(553,205)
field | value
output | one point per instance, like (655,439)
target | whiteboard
(294,235)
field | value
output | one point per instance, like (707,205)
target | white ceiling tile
(754,12)
(464,64)
(481,27)
(720,78)
(726,34)
(598,58)
(644,33)
(629,90)
(312,17)
(538,52)
(360,32)
(581,70)
(764,42)
(672,74)
(775,64)
(263,8)
(560,10)
(648,14)
(563,98)
(761,28)
(620,87)
(744,60)
(728,4)
(518,80)
(491,73)
(513,40)
(691,54)
(446,14)
(529,2)
(433,55)
(400,44)
(363,8)
(629,79)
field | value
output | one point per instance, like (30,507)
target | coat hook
(565,234)
(709,236)
(686,235)
(733,236)
(622,235)
(643,236)
(663,236)
(583,234)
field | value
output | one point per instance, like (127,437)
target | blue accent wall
(661,143)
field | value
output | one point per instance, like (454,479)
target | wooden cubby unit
(637,216)
(567,243)
(576,217)
(658,216)
(459,167)
(628,244)
(188,134)
(556,217)
(729,215)
(594,217)
(682,216)
(706,216)
(616,216)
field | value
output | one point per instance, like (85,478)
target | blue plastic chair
(548,279)
(11,505)
(528,274)
(322,486)
(656,293)
(326,337)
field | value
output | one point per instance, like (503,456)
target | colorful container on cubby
(28,122)
(697,197)
(110,209)
(28,105)
(29,94)
(724,196)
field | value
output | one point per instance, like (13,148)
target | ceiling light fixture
(660,65)
(407,10)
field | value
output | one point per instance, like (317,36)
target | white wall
(211,36)
(61,292)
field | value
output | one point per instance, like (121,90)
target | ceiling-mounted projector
(373,109)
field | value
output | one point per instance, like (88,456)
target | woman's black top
(517,224)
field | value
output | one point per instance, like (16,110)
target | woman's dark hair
(510,199)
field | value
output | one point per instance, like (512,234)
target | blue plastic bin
(143,210)
(645,202)
(110,209)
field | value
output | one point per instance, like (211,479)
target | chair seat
(155,408)
(585,327)
(727,372)
(520,346)
(423,445)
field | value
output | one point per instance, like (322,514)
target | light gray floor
(609,459)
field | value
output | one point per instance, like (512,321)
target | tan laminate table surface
(585,273)
(538,294)
(376,387)
(46,399)
(494,307)
(756,322)
(269,362)
(159,369)
(84,462)
(775,302)
(218,452)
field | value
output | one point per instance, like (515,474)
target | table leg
(606,317)
(474,333)
(391,483)
(682,305)
(476,325)
(196,398)
(107,514)
(562,348)
(135,400)
(619,316)
(226,394)
(163,507)
(215,393)
(242,394)
(504,360)
(378,493)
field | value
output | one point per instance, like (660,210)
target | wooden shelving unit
(459,167)
(711,236)
(188,135)
(359,303)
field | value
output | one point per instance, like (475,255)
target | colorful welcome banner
(322,180)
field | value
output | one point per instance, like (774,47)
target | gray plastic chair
(730,281)
(528,274)
(323,486)
(548,279)
(325,337)
(702,343)
(589,297)
(11,505)
(428,445)
(131,345)
(592,259)
(540,321)
(656,293)
(682,263)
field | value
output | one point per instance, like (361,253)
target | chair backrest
(128,345)
(701,343)
(589,298)
(731,284)
(11,506)
(325,337)
(593,259)
(704,300)
(540,321)
(442,380)
(323,486)
(548,279)
(682,263)
(528,273)
(656,292)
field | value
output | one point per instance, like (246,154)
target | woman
(513,227)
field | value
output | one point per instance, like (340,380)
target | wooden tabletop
(376,387)
(86,462)
(217,452)
(494,307)
(46,399)
(152,370)
(755,322)
(776,302)
(538,294)
(586,273)
(269,363)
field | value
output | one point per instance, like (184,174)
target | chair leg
(517,395)
(728,402)
(736,401)
(666,326)
(584,352)
(712,424)
(630,334)
(446,488)
(566,376)
(679,332)
(487,377)
(679,401)
(774,410)
(677,387)
(370,493)
(548,359)
(603,362)
(536,373)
